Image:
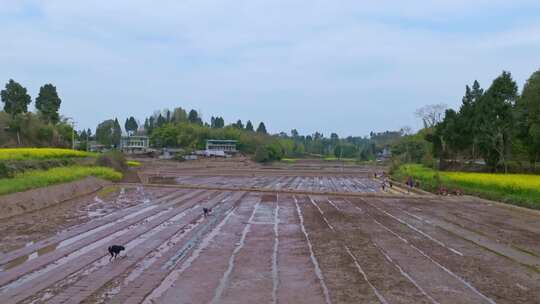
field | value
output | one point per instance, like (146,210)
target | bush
(394,165)
(45,133)
(428,161)
(33,131)
(262,155)
(113,159)
(4,170)
(275,151)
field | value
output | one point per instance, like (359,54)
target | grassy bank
(132,163)
(517,189)
(41,178)
(22,154)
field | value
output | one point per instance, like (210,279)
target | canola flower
(132,163)
(522,189)
(7,154)
(41,178)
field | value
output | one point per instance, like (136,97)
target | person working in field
(410,183)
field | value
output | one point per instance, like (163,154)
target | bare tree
(431,114)
(406,130)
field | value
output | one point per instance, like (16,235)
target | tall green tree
(127,125)
(239,124)
(249,126)
(528,117)
(179,115)
(468,118)
(117,133)
(217,122)
(131,125)
(194,117)
(16,101)
(495,121)
(104,133)
(160,120)
(48,103)
(262,128)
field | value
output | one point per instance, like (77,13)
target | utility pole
(72,132)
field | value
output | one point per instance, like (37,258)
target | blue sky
(333,66)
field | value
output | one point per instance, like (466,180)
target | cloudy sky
(335,66)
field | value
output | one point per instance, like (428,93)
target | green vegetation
(518,189)
(22,154)
(496,125)
(131,126)
(10,168)
(19,127)
(109,133)
(112,159)
(42,178)
(132,163)
(48,103)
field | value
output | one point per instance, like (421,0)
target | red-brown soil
(273,247)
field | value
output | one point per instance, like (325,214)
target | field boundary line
(285,191)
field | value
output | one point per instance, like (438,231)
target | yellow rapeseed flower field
(133,163)
(7,154)
(520,189)
(516,182)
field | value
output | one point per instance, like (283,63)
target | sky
(348,66)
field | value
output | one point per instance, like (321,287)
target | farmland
(307,233)
(42,178)
(519,189)
(28,168)
(19,154)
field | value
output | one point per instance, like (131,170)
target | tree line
(44,127)
(496,124)
(497,127)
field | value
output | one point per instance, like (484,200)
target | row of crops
(519,189)
(20,154)
(42,178)
(28,168)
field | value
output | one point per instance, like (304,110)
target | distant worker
(410,183)
(207,211)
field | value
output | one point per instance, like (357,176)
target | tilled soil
(277,248)
(30,227)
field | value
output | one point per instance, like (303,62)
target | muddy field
(272,246)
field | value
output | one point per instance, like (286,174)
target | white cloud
(343,66)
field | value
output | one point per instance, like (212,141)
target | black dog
(114,250)
(206,211)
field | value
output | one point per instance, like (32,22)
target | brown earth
(36,199)
(278,247)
